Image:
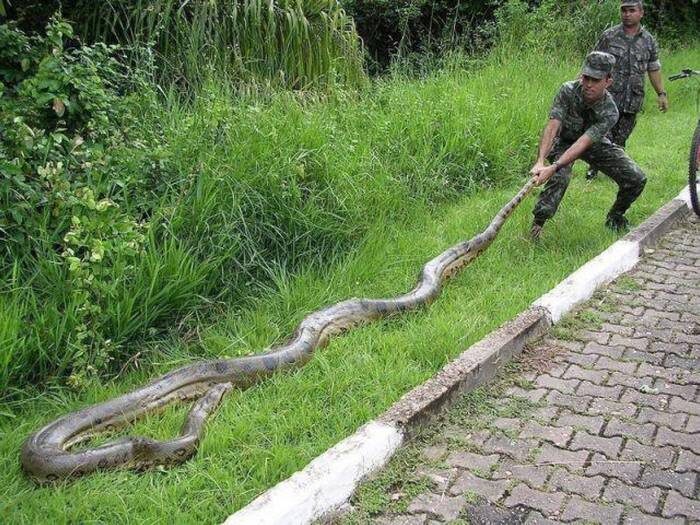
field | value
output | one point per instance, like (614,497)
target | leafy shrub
(61,199)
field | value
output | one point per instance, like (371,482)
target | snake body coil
(46,455)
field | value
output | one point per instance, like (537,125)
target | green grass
(262,435)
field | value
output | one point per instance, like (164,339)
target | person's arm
(550,132)
(658,82)
(569,156)
(654,71)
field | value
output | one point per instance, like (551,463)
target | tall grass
(297,44)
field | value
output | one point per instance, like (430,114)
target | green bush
(74,199)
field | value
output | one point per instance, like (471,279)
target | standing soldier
(636,53)
(581,117)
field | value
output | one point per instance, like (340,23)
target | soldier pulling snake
(47,456)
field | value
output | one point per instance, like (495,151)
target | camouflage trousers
(608,158)
(623,129)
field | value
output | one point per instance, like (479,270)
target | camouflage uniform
(596,121)
(634,57)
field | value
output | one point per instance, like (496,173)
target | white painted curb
(581,284)
(325,483)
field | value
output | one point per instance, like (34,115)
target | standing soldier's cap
(598,64)
(631,3)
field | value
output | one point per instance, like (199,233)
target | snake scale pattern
(46,455)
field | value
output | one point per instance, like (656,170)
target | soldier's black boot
(617,222)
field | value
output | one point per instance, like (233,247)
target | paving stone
(693,424)
(588,487)
(642,433)
(535,518)
(640,343)
(533,395)
(403,519)
(507,424)
(487,514)
(666,436)
(608,392)
(676,420)
(653,334)
(677,505)
(434,453)
(599,337)
(592,424)
(566,386)
(675,361)
(545,414)
(533,475)
(634,517)
(667,347)
(693,339)
(585,360)
(611,408)
(632,381)
(627,471)
(460,435)
(467,460)
(626,331)
(674,389)
(683,482)
(557,435)
(688,461)
(609,446)
(579,509)
(445,507)
(605,363)
(656,358)
(670,374)
(469,483)
(550,455)
(613,352)
(645,499)
(594,376)
(518,449)
(440,478)
(545,502)
(658,401)
(661,457)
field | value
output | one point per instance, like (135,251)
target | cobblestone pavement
(597,423)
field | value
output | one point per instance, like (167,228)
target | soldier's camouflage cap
(598,64)
(631,3)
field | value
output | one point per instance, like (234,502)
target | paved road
(599,423)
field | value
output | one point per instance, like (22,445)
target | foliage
(406,27)
(555,26)
(296,44)
(67,208)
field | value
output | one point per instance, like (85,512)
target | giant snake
(47,455)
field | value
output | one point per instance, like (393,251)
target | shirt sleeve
(559,105)
(654,64)
(604,123)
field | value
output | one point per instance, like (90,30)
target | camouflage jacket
(634,56)
(577,117)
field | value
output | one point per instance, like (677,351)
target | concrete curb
(329,480)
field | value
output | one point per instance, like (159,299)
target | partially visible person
(582,115)
(636,54)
